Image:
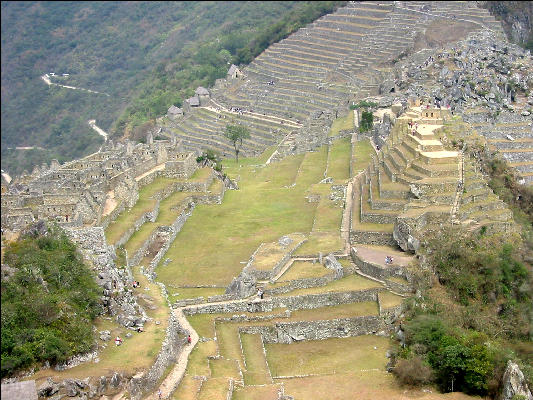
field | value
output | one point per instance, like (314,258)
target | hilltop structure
(290,93)
(288,97)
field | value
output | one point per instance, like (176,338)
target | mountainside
(112,48)
(516,18)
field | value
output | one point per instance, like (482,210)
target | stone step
(375,216)
(439,170)
(439,157)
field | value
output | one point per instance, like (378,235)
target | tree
(236,133)
(367,121)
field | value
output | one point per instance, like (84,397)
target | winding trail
(46,79)
(100,131)
(172,380)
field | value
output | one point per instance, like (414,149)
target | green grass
(348,283)
(257,372)
(269,254)
(325,242)
(228,341)
(216,238)
(312,167)
(127,218)
(341,124)
(304,269)
(197,364)
(169,209)
(328,214)
(361,155)
(266,392)
(200,175)
(179,293)
(339,160)
(214,389)
(221,368)
(187,388)
(327,356)
(388,299)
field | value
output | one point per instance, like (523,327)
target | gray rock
(115,380)
(71,388)
(48,388)
(243,286)
(514,383)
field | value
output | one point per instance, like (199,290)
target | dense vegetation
(461,332)
(145,55)
(49,299)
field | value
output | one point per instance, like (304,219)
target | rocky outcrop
(514,383)
(516,18)
(117,296)
(242,286)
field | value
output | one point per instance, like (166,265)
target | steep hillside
(516,18)
(113,47)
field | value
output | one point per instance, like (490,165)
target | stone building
(19,390)
(174,112)
(76,193)
(234,72)
(203,95)
(190,103)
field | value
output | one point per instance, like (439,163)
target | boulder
(514,383)
(48,388)
(243,285)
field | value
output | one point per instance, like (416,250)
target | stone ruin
(78,193)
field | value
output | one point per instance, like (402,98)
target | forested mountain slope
(145,55)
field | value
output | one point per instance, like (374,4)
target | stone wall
(173,231)
(375,238)
(309,301)
(171,346)
(288,332)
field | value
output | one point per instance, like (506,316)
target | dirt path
(172,380)
(101,132)
(46,79)
(377,255)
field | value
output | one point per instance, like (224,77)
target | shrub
(47,304)
(413,372)
(367,121)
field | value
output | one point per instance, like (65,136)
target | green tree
(367,121)
(236,133)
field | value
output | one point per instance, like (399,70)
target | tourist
(118,341)
(189,340)
(160,394)
(140,329)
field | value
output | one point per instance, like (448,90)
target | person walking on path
(189,340)
(159,394)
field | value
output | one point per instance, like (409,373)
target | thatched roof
(202,91)
(175,110)
(193,101)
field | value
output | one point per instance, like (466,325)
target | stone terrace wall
(309,301)
(167,356)
(288,332)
